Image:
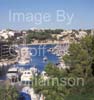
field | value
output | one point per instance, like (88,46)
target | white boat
(49,50)
(31,92)
(25,56)
(23,62)
(13,73)
(45,59)
(26,90)
(26,77)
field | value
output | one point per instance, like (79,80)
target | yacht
(45,59)
(25,56)
(27,75)
(49,50)
(13,74)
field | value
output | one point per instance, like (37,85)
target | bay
(37,57)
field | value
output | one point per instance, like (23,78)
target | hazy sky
(72,14)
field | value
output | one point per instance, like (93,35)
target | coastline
(51,43)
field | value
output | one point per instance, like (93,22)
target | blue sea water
(38,54)
(37,59)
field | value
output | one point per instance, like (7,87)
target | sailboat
(25,54)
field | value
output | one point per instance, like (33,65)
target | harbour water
(37,57)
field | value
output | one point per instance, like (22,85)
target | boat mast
(24,38)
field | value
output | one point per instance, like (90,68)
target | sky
(65,14)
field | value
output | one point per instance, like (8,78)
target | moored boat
(45,58)
(25,56)
(13,74)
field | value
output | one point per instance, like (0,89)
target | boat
(28,93)
(45,59)
(24,62)
(13,74)
(49,50)
(25,56)
(24,94)
(58,55)
(54,53)
(26,77)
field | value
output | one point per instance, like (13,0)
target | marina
(30,63)
(38,59)
(47,50)
(27,60)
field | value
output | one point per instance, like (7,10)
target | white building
(6,33)
(81,34)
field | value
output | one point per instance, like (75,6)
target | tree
(81,62)
(38,36)
(50,91)
(8,93)
(80,57)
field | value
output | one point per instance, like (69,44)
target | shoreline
(42,43)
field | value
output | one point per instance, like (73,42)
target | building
(5,34)
(4,50)
(92,32)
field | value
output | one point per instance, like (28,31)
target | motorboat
(25,56)
(24,95)
(13,74)
(26,77)
(23,62)
(45,59)
(28,74)
(49,50)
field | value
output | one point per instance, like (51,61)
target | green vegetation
(82,93)
(37,36)
(51,91)
(81,61)
(41,35)
(8,93)
(80,58)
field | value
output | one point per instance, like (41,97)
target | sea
(38,53)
